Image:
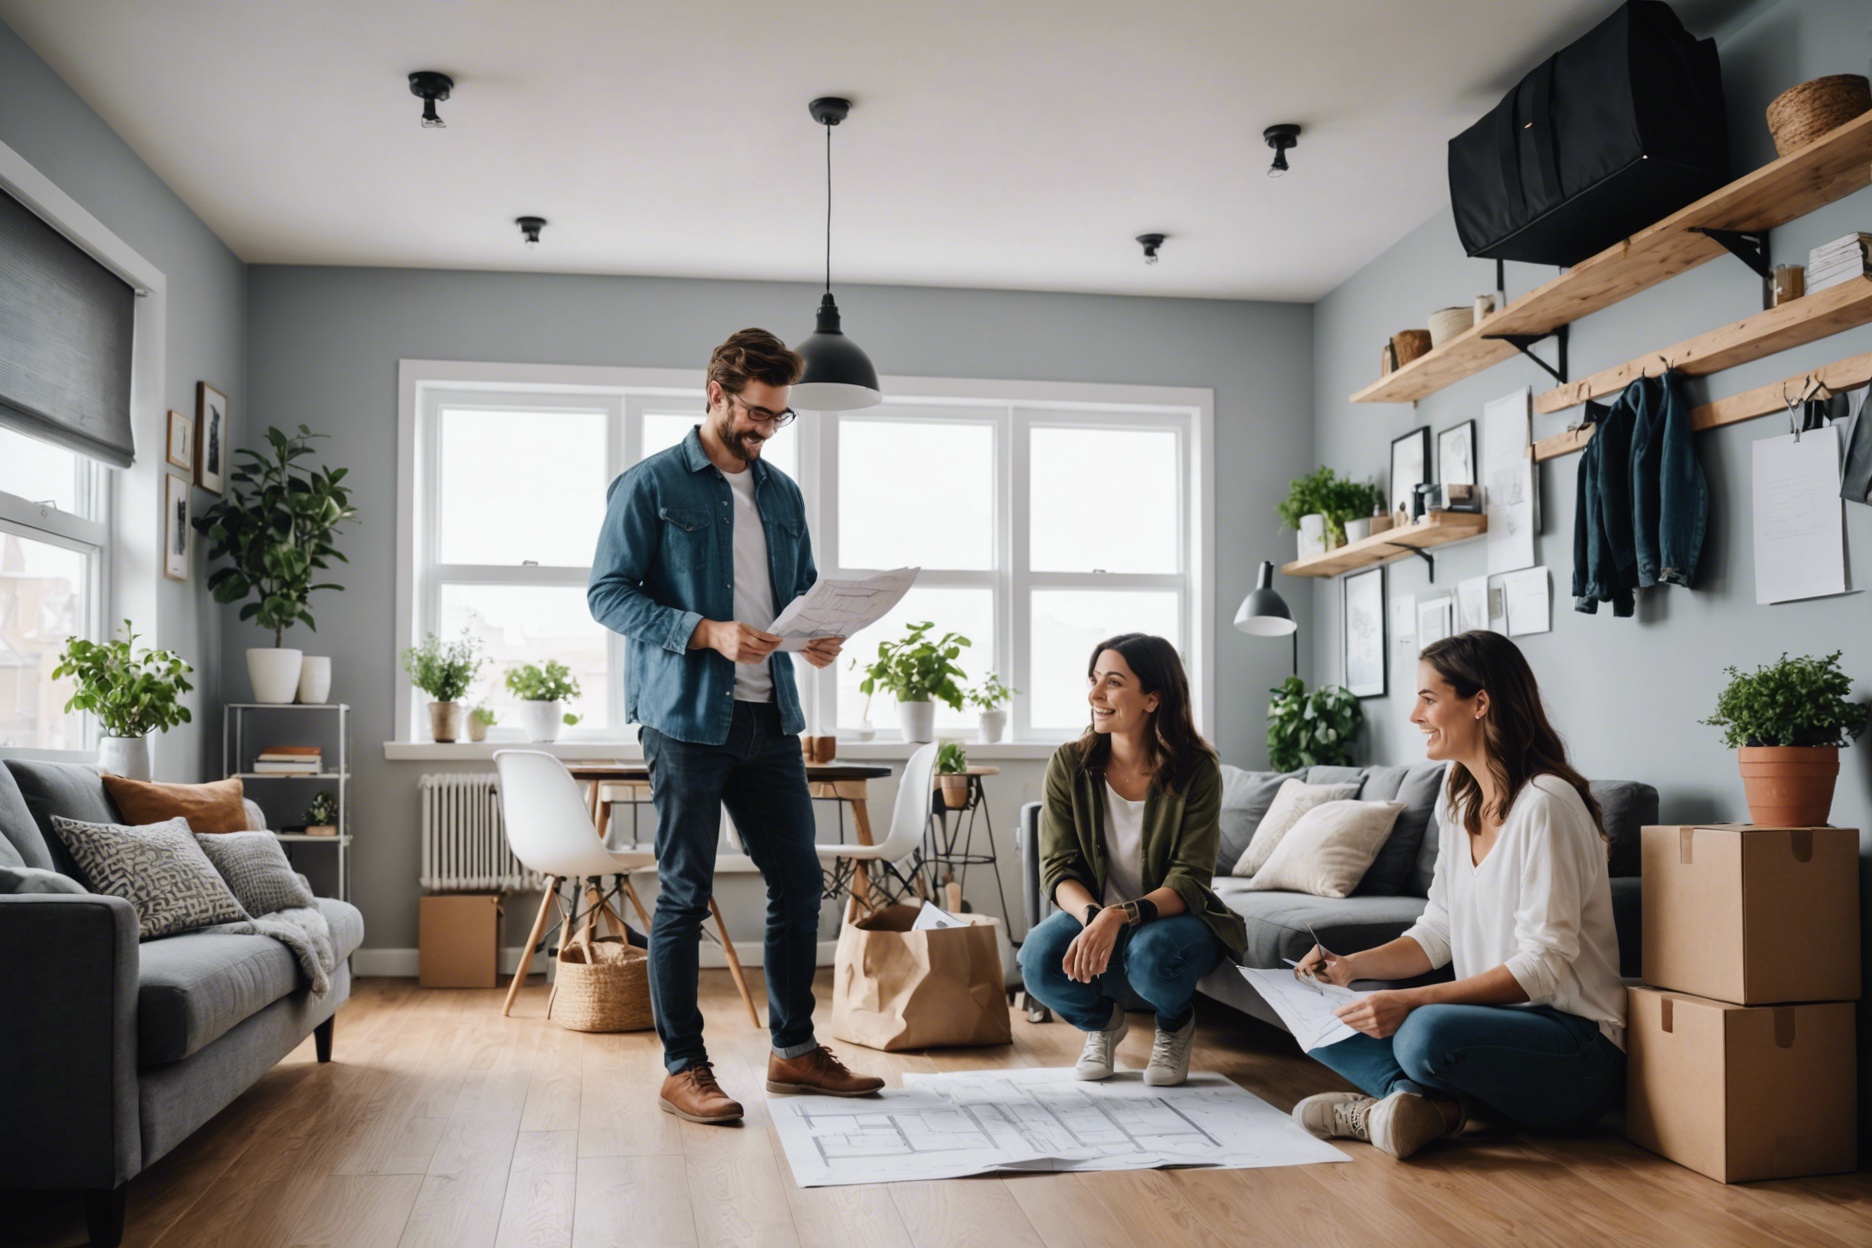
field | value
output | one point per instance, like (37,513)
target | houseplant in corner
(543,693)
(952,774)
(1311,729)
(1786,721)
(991,698)
(916,670)
(133,693)
(444,670)
(275,529)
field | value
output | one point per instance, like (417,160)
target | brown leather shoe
(817,1071)
(694,1095)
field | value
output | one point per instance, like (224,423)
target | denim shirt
(665,562)
(1670,497)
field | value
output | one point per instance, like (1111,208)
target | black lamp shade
(838,376)
(1264,612)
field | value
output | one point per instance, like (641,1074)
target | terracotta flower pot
(1788,786)
(955,790)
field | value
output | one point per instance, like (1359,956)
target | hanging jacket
(1605,566)
(1670,498)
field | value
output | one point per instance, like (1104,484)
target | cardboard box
(1739,1092)
(458,940)
(1757,916)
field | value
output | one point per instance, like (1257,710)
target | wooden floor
(440,1123)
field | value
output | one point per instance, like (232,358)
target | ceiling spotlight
(530,228)
(1150,243)
(1281,138)
(431,88)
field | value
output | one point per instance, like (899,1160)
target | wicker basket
(1446,323)
(602,985)
(1405,346)
(1802,114)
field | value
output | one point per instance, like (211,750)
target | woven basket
(1405,346)
(1446,323)
(1802,114)
(602,985)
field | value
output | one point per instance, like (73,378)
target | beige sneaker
(1404,1122)
(1336,1115)
(1099,1059)
(1170,1056)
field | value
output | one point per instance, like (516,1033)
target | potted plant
(1319,504)
(952,774)
(990,698)
(543,692)
(275,528)
(444,670)
(1355,503)
(133,693)
(1311,729)
(1786,721)
(321,817)
(916,670)
(480,719)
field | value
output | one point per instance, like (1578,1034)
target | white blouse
(1124,848)
(1539,904)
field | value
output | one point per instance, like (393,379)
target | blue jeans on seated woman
(1159,962)
(1545,1069)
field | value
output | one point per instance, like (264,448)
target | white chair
(550,830)
(850,866)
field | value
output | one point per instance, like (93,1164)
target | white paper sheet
(840,607)
(1529,601)
(930,918)
(1472,599)
(1436,619)
(1800,545)
(1305,1005)
(1497,607)
(1509,482)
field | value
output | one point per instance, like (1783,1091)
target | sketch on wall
(1365,633)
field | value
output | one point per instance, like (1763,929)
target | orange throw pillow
(216,807)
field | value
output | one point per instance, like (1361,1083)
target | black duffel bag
(1615,131)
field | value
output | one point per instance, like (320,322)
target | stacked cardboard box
(1740,1044)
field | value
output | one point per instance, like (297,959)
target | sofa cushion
(214,807)
(1246,796)
(158,868)
(21,845)
(1627,806)
(1416,786)
(1335,775)
(256,870)
(346,922)
(37,880)
(70,789)
(1277,922)
(1291,802)
(1328,849)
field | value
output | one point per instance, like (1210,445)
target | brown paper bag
(893,988)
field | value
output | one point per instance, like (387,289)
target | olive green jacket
(1182,835)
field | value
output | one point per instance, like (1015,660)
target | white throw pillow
(1295,798)
(1329,849)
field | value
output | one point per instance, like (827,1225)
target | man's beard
(737,444)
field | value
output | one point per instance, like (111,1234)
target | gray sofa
(1390,897)
(112,1051)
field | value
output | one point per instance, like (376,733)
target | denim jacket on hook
(1670,497)
(1605,562)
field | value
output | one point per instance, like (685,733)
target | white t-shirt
(1124,848)
(753,585)
(1540,904)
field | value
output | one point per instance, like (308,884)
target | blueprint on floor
(970,1122)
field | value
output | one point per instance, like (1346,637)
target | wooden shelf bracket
(1748,246)
(1524,342)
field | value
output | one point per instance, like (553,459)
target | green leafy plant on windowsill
(484,715)
(1311,729)
(990,694)
(916,668)
(444,669)
(1325,492)
(548,682)
(132,692)
(1805,702)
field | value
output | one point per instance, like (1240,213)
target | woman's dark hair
(1520,742)
(1173,744)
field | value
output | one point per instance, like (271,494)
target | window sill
(577,751)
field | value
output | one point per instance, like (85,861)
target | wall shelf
(1830,168)
(1439,528)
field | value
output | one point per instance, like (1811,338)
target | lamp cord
(828,208)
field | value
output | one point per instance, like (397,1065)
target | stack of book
(290,760)
(1839,261)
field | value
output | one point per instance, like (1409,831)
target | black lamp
(429,86)
(838,376)
(1264,612)
(1281,138)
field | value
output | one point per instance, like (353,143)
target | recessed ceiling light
(1150,243)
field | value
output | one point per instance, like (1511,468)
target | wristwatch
(1139,912)
(1091,912)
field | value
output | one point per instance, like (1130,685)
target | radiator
(464,845)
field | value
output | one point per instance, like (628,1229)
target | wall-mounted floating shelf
(1439,528)
(1830,168)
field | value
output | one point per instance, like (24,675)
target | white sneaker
(1099,1058)
(1404,1122)
(1336,1115)
(1170,1054)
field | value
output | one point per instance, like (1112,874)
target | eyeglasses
(761,416)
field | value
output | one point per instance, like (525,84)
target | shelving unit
(236,750)
(1439,528)
(1730,219)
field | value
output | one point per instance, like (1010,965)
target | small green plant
(990,694)
(484,715)
(916,668)
(322,812)
(549,683)
(133,693)
(951,759)
(1325,492)
(444,669)
(1804,701)
(1311,729)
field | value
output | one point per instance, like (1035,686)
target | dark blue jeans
(1545,1069)
(1159,962)
(759,775)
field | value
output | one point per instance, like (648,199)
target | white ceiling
(1019,144)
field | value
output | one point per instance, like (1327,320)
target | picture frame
(176,529)
(181,445)
(1410,467)
(1363,623)
(211,438)
(1456,454)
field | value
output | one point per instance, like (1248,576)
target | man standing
(702,545)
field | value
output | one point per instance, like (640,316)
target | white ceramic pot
(917,720)
(993,724)
(274,672)
(1312,535)
(1357,530)
(864,731)
(445,722)
(314,679)
(128,757)
(541,720)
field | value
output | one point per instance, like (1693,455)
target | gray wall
(324,345)
(1628,694)
(47,123)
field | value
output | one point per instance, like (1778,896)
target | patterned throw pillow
(158,868)
(1294,799)
(256,869)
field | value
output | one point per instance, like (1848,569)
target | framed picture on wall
(1364,620)
(1410,466)
(181,442)
(211,448)
(175,527)
(1455,454)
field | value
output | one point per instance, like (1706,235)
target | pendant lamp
(838,376)
(1264,612)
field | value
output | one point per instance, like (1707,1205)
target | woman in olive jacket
(1128,841)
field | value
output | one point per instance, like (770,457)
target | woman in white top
(1533,1025)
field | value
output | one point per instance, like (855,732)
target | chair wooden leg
(526,954)
(637,903)
(734,962)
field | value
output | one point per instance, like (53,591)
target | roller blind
(66,329)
